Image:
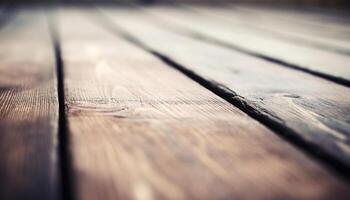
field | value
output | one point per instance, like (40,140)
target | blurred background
(322,3)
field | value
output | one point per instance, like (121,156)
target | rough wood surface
(28,110)
(327,64)
(314,109)
(142,130)
(278,27)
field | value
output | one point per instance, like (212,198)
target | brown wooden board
(317,61)
(309,109)
(28,110)
(142,130)
(274,26)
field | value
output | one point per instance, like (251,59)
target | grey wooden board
(28,110)
(142,130)
(316,60)
(314,20)
(275,26)
(316,109)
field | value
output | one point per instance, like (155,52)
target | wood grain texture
(141,130)
(331,64)
(28,110)
(315,109)
(265,24)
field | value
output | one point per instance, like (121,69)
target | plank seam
(271,122)
(63,139)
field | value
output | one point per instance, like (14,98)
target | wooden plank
(28,110)
(311,110)
(141,130)
(275,26)
(317,61)
(306,27)
(311,19)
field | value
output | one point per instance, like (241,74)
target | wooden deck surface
(185,102)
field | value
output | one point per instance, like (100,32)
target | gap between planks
(65,165)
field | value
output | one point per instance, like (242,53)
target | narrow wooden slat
(303,27)
(278,28)
(313,110)
(311,19)
(141,130)
(28,110)
(332,65)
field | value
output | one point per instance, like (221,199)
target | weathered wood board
(274,26)
(324,63)
(315,110)
(28,110)
(314,20)
(140,129)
